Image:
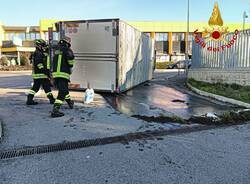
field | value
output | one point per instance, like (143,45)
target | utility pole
(187,29)
(50,40)
(244,19)
(187,44)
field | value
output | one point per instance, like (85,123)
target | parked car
(171,66)
(180,64)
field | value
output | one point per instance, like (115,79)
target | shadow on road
(15,82)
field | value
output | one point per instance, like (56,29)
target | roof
(21,28)
(18,49)
(159,26)
(144,26)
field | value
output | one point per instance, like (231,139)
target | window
(178,37)
(20,35)
(161,37)
(190,36)
(32,36)
(55,35)
(148,34)
(27,36)
(161,42)
(9,35)
(46,35)
(37,35)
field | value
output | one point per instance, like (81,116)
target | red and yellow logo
(215,32)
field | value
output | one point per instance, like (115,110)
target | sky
(29,12)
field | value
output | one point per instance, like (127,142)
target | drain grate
(96,142)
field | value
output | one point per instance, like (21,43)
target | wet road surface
(212,156)
(165,94)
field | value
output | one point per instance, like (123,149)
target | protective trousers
(63,91)
(45,83)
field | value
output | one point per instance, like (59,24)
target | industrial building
(171,38)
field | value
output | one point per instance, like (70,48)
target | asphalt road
(209,157)
(15,79)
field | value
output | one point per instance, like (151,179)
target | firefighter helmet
(64,42)
(40,43)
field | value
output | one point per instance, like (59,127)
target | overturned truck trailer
(110,54)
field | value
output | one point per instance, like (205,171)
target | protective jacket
(63,62)
(40,65)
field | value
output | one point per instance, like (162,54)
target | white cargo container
(110,54)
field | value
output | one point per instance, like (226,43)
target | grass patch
(163,65)
(235,117)
(234,91)
(226,118)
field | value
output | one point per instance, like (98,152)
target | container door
(95,46)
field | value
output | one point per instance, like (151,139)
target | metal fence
(235,57)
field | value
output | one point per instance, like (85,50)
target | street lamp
(187,39)
(244,19)
(187,30)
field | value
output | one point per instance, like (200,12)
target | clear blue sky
(29,12)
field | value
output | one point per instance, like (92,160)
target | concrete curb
(218,97)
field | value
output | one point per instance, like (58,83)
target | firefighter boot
(51,99)
(56,113)
(30,100)
(70,103)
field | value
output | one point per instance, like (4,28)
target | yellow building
(171,38)
(18,40)
(1,33)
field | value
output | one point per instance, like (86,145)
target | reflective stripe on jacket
(38,65)
(63,61)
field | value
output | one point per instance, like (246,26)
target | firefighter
(63,62)
(41,72)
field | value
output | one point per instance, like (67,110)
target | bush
(15,68)
(4,61)
(13,62)
(235,86)
(24,60)
(163,65)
